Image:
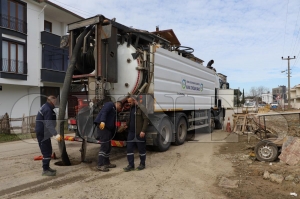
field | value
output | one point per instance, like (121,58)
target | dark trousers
(133,141)
(105,137)
(46,150)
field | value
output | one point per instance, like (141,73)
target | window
(47,26)
(12,57)
(13,15)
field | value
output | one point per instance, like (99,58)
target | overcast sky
(245,38)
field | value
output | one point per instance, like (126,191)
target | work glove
(102,125)
(58,137)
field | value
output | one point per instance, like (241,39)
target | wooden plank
(244,124)
(84,23)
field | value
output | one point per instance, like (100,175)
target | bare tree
(253,91)
(258,91)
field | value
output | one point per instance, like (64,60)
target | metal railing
(13,66)
(13,23)
(54,58)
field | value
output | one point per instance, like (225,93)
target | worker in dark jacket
(105,120)
(137,126)
(45,129)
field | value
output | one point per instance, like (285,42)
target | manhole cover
(73,162)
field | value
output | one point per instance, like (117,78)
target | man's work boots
(49,173)
(128,168)
(140,167)
(102,168)
(52,170)
(110,165)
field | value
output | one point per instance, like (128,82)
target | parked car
(274,105)
(250,107)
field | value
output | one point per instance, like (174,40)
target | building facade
(32,63)
(295,97)
(279,93)
(267,98)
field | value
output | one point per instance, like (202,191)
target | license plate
(72,126)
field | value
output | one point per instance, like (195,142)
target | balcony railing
(54,58)
(13,66)
(13,23)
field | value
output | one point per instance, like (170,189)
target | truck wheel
(266,150)
(218,124)
(180,129)
(164,136)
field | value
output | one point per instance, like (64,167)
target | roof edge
(59,7)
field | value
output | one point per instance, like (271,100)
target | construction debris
(291,153)
(276,178)
(227,183)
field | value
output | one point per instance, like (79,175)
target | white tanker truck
(180,94)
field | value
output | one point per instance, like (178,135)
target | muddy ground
(187,171)
(192,170)
(249,172)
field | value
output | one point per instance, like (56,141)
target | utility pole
(289,92)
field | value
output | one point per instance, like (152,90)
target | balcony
(54,64)
(13,69)
(13,23)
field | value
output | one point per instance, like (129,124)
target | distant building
(295,96)
(223,81)
(267,97)
(279,93)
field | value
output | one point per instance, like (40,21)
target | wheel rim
(165,135)
(266,152)
(181,130)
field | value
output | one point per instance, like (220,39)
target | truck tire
(218,124)
(164,136)
(180,129)
(266,150)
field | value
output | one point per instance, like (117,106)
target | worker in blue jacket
(45,129)
(105,121)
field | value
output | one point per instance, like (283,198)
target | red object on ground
(228,127)
(53,156)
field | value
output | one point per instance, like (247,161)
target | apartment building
(295,97)
(32,63)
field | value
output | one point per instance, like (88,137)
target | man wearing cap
(137,126)
(45,129)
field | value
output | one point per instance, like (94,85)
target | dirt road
(191,170)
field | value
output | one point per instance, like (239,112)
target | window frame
(16,20)
(9,42)
(47,22)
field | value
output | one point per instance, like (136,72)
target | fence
(4,124)
(25,124)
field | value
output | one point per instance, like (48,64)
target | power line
(82,11)
(287,9)
(292,52)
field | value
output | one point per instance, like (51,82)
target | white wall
(268,98)
(58,28)
(19,100)
(227,97)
